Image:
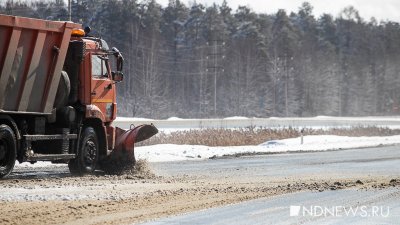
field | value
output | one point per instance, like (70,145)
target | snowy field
(168,152)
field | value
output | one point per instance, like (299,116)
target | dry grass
(255,136)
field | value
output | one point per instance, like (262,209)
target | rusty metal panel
(7,67)
(5,35)
(17,77)
(45,70)
(32,55)
(32,72)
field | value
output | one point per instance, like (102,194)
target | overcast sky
(380,9)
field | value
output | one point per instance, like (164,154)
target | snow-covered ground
(169,152)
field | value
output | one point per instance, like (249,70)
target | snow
(169,152)
(236,118)
(37,164)
(175,118)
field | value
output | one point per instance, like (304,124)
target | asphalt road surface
(355,206)
(356,163)
(330,207)
(233,190)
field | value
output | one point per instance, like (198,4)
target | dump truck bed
(32,54)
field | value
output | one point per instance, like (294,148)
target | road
(50,195)
(276,210)
(346,164)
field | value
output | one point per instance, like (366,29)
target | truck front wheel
(88,153)
(8,150)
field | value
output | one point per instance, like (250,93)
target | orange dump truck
(58,98)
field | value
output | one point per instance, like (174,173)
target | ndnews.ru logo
(340,211)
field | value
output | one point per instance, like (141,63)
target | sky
(382,10)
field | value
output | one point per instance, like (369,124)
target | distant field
(319,122)
(256,136)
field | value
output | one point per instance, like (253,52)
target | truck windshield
(99,68)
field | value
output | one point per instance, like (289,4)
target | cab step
(50,157)
(43,137)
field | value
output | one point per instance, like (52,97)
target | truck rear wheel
(8,150)
(88,153)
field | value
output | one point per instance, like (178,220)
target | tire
(88,153)
(8,150)
(63,90)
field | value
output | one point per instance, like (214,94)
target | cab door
(102,87)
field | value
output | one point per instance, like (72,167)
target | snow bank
(175,118)
(169,152)
(236,118)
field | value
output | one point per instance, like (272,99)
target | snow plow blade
(123,155)
(126,139)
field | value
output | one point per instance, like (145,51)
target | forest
(197,61)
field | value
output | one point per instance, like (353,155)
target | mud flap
(123,155)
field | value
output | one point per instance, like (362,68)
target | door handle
(93,93)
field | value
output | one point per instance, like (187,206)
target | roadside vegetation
(256,136)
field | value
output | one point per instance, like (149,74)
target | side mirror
(117,76)
(120,59)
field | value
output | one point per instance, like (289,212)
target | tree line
(214,61)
